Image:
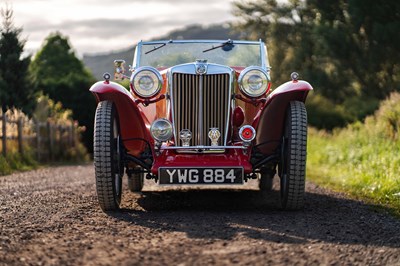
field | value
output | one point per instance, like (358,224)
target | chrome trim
(212,69)
(224,147)
(263,49)
(201,108)
(252,130)
(264,56)
(200,41)
(107,76)
(151,69)
(201,67)
(214,136)
(136,56)
(294,76)
(185,136)
(243,74)
(155,123)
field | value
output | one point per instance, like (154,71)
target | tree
(362,36)
(348,49)
(62,76)
(16,91)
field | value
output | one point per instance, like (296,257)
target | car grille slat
(194,94)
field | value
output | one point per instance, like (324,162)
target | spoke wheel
(107,157)
(292,167)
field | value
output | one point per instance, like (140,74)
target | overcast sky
(103,25)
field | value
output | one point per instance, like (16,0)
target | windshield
(170,53)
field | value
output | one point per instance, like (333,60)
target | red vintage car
(200,112)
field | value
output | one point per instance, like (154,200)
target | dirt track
(51,217)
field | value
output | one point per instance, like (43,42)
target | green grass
(16,162)
(362,159)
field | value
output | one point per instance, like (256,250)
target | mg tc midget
(199,112)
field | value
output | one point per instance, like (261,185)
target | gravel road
(51,217)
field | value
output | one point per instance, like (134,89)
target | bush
(17,162)
(387,118)
(362,158)
(324,114)
(49,111)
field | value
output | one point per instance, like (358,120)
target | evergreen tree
(16,91)
(62,76)
(348,49)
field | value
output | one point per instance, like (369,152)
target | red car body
(135,120)
(266,114)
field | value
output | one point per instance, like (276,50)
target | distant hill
(101,63)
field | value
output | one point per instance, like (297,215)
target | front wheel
(107,157)
(292,170)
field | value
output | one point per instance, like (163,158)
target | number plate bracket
(200,176)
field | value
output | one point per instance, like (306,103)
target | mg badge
(201,69)
(214,135)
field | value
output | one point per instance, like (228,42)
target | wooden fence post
(60,129)
(20,137)
(71,135)
(4,134)
(50,140)
(37,123)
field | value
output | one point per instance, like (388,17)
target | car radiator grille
(201,102)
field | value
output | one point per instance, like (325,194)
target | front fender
(269,122)
(133,124)
(299,87)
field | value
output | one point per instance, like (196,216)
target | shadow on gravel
(214,214)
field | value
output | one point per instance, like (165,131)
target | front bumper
(231,158)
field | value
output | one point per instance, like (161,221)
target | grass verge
(363,159)
(16,162)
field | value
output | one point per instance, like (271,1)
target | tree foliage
(62,76)
(15,88)
(348,49)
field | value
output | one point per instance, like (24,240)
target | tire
(135,182)
(293,162)
(107,157)
(266,182)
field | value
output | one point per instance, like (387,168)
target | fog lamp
(161,130)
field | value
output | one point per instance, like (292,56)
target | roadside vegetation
(51,88)
(17,162)
(362,159)
(46,111)
(350,54)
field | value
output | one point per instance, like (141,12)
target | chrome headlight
(146,82)
(161,130)
(253,81)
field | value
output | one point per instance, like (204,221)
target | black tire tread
(135,182)
(266,183)
(103,130)
(297,156)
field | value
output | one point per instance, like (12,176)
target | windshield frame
(263,48)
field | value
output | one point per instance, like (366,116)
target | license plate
(204,176)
